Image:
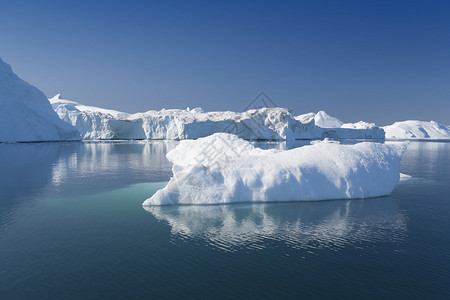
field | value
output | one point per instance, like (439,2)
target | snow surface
(26,114)
(417,130)
(223,168)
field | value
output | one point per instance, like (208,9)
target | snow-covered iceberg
(25,113)
(223,168)
(417,130)
(173,124)
(178,124)
(323,125)
(96,123)
(264,123)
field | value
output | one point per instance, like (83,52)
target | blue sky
(378,61)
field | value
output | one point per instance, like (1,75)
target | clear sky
(379,61)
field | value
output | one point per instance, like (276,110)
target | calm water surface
(72,227)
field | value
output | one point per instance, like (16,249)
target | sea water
(72,227)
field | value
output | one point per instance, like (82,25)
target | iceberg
(274,123)
(413,129)
(95,123)
(177,124)
(322,125)
(26,114)
(223,168)
(173,124)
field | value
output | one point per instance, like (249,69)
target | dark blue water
(72,227)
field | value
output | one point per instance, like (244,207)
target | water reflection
(64,169)
(25,167)
(427,160)
(326,224)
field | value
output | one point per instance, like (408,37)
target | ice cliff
(96,123)
(223,168)
(25,113)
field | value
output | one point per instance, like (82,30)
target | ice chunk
(25,113)
(405,176)
(223,169)
(325,140)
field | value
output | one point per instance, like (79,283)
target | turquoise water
(72,227)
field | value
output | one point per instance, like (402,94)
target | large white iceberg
(223,168)
(417,130)
(177,124)
(173,124)
(25,113)
(96,123)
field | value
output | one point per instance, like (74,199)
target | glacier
(223,168)
(413,129)
(26,114)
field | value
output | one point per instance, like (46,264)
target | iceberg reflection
(313,225)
